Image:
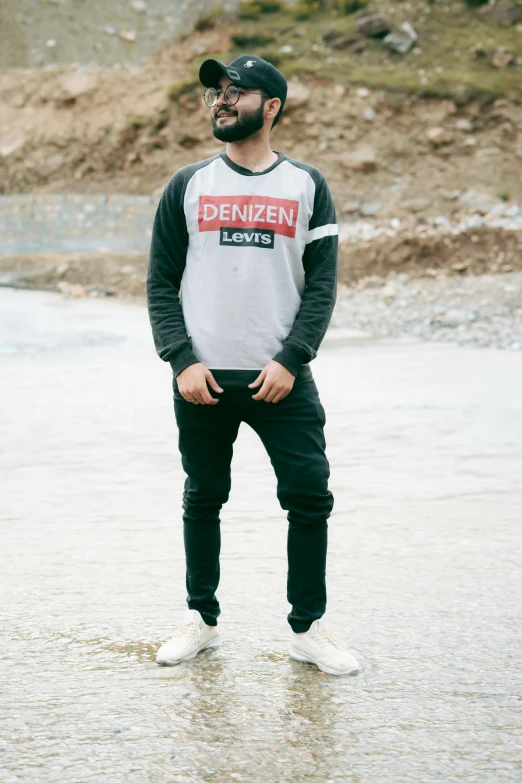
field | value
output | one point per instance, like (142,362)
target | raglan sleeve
(167,258)
(320,262)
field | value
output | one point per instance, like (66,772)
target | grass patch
(351,6)
(271,6)
(183,87)
(208,20)
(440,65)
(341,6)
(273,56)
(303,11)
(135,123)
(245,40)
(253,9)
(249,10)
(131,128)
(160,120)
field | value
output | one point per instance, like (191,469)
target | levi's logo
(237,237)
(261,213)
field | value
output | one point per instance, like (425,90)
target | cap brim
(211,72)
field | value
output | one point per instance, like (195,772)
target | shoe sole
(216,642)
(301,656)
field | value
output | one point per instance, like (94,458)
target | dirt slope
(109,131)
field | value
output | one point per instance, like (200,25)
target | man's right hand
(192,384)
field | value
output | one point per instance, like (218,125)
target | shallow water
(425,446)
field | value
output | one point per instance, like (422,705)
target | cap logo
(250,63)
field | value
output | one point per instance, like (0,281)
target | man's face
(234,123)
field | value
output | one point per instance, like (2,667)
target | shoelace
(325,637)
(188,628)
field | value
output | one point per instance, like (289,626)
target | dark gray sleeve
(167,257)
(320,293)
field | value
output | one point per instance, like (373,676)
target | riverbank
(441,305)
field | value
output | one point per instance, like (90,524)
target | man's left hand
(277,382)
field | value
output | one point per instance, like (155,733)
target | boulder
(474,201)
(463,124)
(298,95)
(501,59)
(348,42)
(388,292)
(488,152)
(370,209)
(358,46)
(402,39)
(436,136)
(373,24)
(453,318)
(11,142)
(417,204)
(349,207)
(76,84)
(502,12)
(467,146)
(331,34)
(362,159)
(449,107)
(128,35)
(71,289)
(449,195)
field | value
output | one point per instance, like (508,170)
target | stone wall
(75,223)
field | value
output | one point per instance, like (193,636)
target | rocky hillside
(392,137)
(412,110)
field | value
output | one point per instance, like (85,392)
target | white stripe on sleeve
(330,230)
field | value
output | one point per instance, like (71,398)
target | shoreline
(482,311)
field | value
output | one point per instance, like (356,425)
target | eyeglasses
(232,94)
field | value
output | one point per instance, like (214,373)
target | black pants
(292,432)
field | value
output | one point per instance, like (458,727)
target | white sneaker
(194,635)
(319,645)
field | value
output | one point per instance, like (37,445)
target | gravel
(484,311)
(506,216)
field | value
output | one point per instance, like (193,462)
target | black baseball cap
(247,71)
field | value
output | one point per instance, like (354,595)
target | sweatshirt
(242,267)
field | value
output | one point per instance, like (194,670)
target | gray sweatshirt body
(242,267)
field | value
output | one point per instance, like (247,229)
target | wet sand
(425,447)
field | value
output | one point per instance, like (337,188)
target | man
(249,237)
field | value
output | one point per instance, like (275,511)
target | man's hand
(192,384)
(277,382)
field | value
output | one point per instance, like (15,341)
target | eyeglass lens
(231,95)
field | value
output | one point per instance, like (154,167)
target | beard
(242,128)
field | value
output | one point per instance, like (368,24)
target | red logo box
(259,212)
